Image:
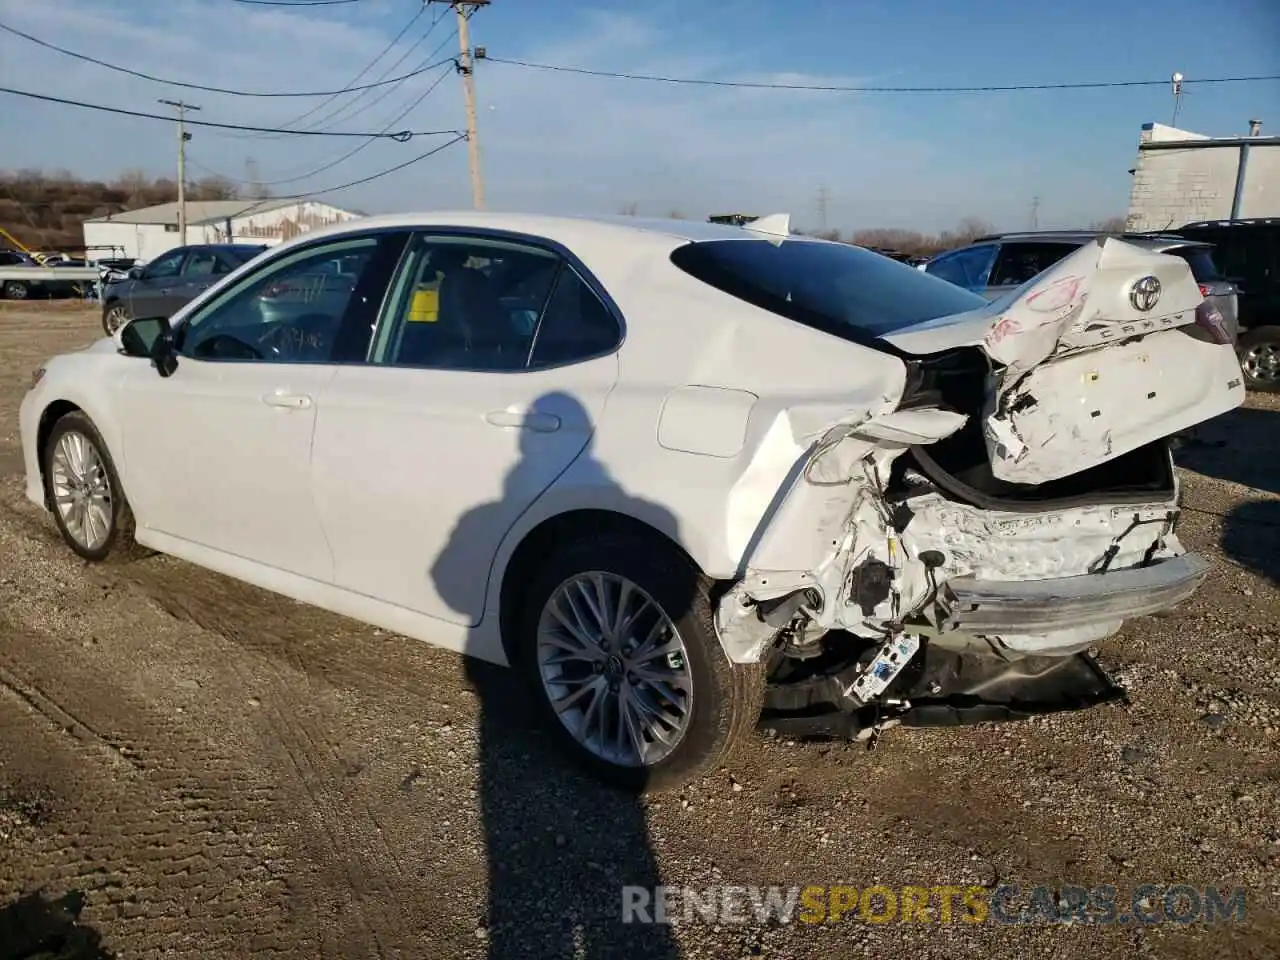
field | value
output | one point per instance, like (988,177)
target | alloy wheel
(1262,362)
(115,319)
(81,490)
(615,669)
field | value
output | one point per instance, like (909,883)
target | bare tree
(1109,225)
(676,215)
(629,209)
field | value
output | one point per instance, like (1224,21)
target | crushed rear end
(955,559)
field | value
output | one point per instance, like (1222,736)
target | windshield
(834,287)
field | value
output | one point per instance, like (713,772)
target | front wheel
(16,290)
(84,492)
(115,317)
(1259,351)
(615,637)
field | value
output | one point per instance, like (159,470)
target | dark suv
(1248,251)
(171,280)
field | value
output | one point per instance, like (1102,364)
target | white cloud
(548,140)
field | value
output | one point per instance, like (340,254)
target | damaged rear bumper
(1022,607)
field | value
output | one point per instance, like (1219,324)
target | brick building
(1182,176)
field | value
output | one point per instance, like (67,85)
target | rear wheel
(16,290)
(1259,351)
(84,492)
(615,637)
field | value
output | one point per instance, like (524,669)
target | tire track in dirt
(351,839)
(173,859)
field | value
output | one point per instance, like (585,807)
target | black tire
(119,545)
(113,310)
(16,290)
(1259,337)
(727,697)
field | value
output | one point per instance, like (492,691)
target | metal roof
(198,211)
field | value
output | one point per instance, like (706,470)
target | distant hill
(45,210)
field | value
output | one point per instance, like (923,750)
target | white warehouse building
(146,233)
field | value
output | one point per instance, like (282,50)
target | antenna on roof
(776,226)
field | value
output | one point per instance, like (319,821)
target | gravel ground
(201,769)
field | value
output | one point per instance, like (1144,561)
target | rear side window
(1020,262)
(837,288)
(1203,267)
(966,268)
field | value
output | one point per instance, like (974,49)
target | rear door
(425,456)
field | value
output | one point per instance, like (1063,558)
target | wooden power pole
(464,9)
(183,137)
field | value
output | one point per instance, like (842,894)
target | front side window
(297,309)
(839,288)
(467,304)
(165,266)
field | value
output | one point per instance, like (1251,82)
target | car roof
(1080,237)
(572,231)
(1238,222)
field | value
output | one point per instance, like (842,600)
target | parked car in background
(1248,252)
(38,285)
(675,473)
(172,279)
(997,264)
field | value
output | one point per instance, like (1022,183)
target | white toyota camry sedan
(685,478)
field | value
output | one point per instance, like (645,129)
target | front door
(426,457)
(151,294)
(219,453)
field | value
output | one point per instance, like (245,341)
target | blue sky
(581,144)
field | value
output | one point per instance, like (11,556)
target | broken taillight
(1209,320)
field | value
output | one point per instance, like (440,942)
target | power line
(836,88)
(296,3)
(365,69)
(199,86)
(340,109)
(333,163)
(363,180)
(400,136)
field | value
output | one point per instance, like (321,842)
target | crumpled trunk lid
(1093,358)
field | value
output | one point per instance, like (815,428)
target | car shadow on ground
(1242,446)
(560,844)
(38,927)
(1251,536)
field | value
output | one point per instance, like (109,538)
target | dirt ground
(201,769)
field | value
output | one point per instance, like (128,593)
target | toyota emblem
(1145,294)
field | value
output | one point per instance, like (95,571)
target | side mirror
(150,337)
(135,273)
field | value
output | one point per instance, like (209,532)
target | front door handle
(290,401)
(537,422)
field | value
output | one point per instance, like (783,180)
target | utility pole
(183,137)
(822,207)
(1035,212)
(464,9)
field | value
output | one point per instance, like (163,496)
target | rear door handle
(290,401)
(538,422)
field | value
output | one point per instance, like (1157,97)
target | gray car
(994,265)
(171,280)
